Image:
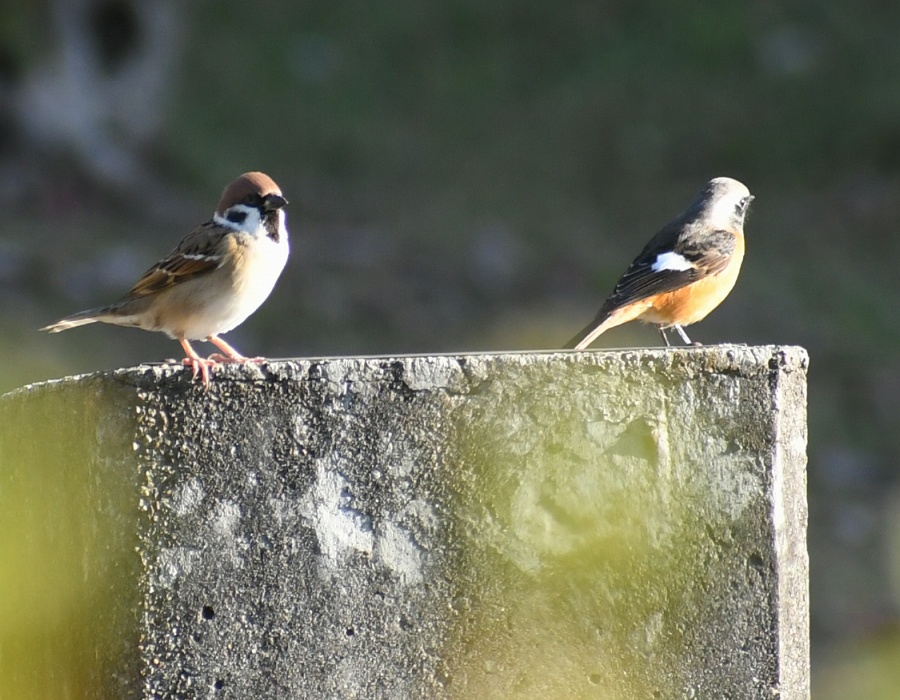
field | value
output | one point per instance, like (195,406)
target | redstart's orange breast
(685,271)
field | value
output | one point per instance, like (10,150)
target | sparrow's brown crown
(251,188)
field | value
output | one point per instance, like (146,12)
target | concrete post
(621,524)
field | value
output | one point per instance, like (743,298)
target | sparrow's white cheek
(249,223)
(671,261)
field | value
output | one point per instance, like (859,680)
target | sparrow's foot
(199,366)
(239,359)
(229,354)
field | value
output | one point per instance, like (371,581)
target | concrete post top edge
(709,357)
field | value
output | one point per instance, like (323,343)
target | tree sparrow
(215,278)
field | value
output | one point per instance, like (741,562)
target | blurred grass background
(475,176)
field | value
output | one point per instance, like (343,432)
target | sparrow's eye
(236,216)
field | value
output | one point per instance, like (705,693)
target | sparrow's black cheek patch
(237,217)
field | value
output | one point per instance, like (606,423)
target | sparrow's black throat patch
(270,223)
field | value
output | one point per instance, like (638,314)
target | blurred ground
(475,176)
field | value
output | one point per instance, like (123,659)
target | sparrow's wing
(671,262)
(198,254)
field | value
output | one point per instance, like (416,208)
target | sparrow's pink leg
(196,363)
(231,355)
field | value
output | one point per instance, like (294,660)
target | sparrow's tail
(80,319)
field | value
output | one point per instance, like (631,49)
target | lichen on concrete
(622,524)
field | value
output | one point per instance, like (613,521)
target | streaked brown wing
(198,254)
(709,253)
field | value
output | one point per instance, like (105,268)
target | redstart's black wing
(666,265)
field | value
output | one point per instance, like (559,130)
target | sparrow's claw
(240,359)
(199,366)
(230,354)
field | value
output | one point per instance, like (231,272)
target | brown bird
(685,271)
(215,278)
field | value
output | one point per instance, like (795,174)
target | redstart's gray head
(723,203)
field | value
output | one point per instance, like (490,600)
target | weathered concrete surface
(625,524)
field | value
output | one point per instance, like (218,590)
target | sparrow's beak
(274,201)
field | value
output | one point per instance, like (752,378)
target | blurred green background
(474,175)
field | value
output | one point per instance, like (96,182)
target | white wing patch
(671,261)
(198,256)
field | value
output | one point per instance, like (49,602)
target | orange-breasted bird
(685,271)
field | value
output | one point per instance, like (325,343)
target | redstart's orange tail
(589,333)
(602,322)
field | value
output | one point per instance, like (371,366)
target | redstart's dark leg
(684,336)
(662,332)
